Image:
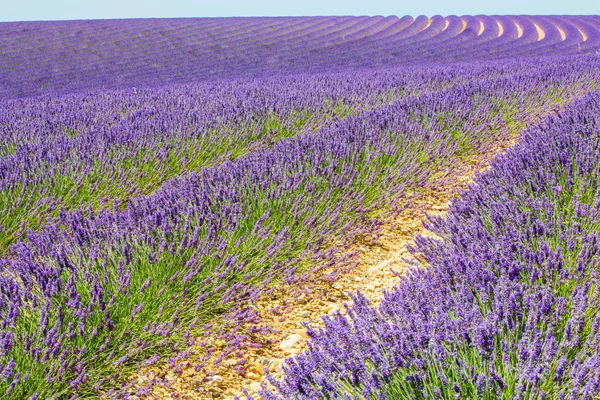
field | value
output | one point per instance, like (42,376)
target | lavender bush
(507,306)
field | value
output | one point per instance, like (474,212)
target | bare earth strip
(285,312)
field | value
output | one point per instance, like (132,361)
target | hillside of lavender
(73,56)
(157,176)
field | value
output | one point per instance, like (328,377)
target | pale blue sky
(29,10)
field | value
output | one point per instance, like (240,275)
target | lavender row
(94,295)
(68,56)
(507,305)
(65,152)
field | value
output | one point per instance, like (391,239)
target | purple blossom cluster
(507,305)
(68,56)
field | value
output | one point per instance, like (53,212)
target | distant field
(68,56)
(158,176)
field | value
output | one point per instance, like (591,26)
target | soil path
(287,311)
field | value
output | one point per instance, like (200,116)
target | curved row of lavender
(70,151)
(68,56)
(94,295)
(508,304)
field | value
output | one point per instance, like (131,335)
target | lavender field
(159,176)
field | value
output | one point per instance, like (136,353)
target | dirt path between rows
(287,311)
